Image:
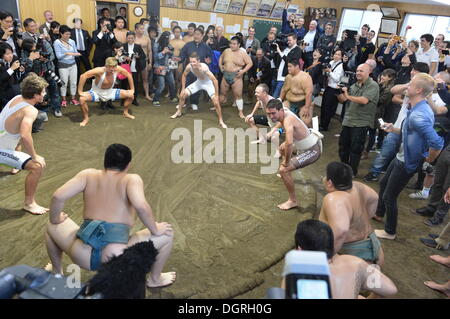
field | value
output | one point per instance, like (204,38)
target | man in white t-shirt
(428,54)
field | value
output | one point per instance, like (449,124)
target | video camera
(307,276)
(281,40)
(350,42)
(347,80)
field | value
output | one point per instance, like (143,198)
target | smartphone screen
(312,289)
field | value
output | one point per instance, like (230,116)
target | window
(421,24)
(354,19)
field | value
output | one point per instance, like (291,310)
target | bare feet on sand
(35,209)
(14,171)
(177,114)
(84,123)
(445,288)
(222,124)
(287,205)
(441,260)
(166,279)
(128,116)
(49,268)
(149,98)
(241,115)
(382,234)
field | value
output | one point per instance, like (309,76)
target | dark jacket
(262,66)
(323,43)
(9,84)
(223,44)
(16,44)
(86,38)
(103,47)
(141,61)
(294,54)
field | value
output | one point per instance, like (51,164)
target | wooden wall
(65,10)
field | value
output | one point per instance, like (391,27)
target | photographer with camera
(105,15)
(137,59)
(103,39)
(162,52)
(10,32)
(291,52)
(251,44)
(210,39)
(38,58)
(66,52)
(31,31)
(444,56)
(11,74)
(333,72)
(270,52)
(359,116)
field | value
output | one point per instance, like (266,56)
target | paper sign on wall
(237,28)
(213,18)
(219,21)
(165,22)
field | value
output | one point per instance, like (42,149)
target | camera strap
(332,70)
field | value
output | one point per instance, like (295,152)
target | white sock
(426,191)
(240,104)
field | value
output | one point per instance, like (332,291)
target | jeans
(277,86)
(161,81)
(351,146)
(391,185)
(388,152)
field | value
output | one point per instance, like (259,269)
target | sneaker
(64,103)
(174,100)
(424,211)
(74,102)
(418,195)
(58,113)
(156,103)
(371,177)
(433,221)
(194,107)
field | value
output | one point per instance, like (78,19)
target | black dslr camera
(50,75)
(281,40)
(347,80)
(16,27)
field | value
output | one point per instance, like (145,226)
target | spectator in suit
(251,43)
(103,39)
(259,73)
(11,74)
(45,27)
(107,15)
(222,42)
(291,52)
(137,59)
(311,38)
(7,34)
(84,44)
(31,31)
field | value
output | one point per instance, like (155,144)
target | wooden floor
(229,235)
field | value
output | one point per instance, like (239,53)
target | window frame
(402,31)
(339,31)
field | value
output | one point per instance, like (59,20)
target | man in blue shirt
(419,141)
(292,25)
(204,52)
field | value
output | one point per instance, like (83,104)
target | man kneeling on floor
(111,199)
(348,274)
(348,208)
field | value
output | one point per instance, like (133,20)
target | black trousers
(328,107)
(391,185)
(308,59)
(351,146)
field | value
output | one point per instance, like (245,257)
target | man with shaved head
(359,116)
